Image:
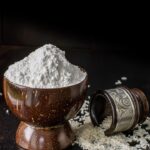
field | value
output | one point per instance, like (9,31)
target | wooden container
(44,114)
(128,107)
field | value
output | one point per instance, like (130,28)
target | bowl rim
(58,88)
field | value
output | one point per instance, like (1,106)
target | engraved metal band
(124,108)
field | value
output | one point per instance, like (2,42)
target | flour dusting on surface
(93,138)
(118,82)
(46,67)
(7,111)
(124,78)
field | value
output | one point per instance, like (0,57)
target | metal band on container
(124,108)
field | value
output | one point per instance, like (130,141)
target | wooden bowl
(44,112)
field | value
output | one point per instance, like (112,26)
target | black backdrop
(90,27)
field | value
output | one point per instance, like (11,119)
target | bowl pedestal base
(44,138)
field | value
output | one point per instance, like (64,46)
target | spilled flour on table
(46,67)
(124,78)
(93,138)
(7,111)
(118,82)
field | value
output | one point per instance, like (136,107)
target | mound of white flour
(46,67)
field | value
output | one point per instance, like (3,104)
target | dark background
(80,27)
(108,43)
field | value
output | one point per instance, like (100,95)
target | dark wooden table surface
(105,65)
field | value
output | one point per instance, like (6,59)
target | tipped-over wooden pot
(44,114)
(127,108)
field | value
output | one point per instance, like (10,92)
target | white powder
(93,138)
(89,85)
(106,123)
(7,111)
(46,67)
(124,78)
(89,97)
(118,82)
